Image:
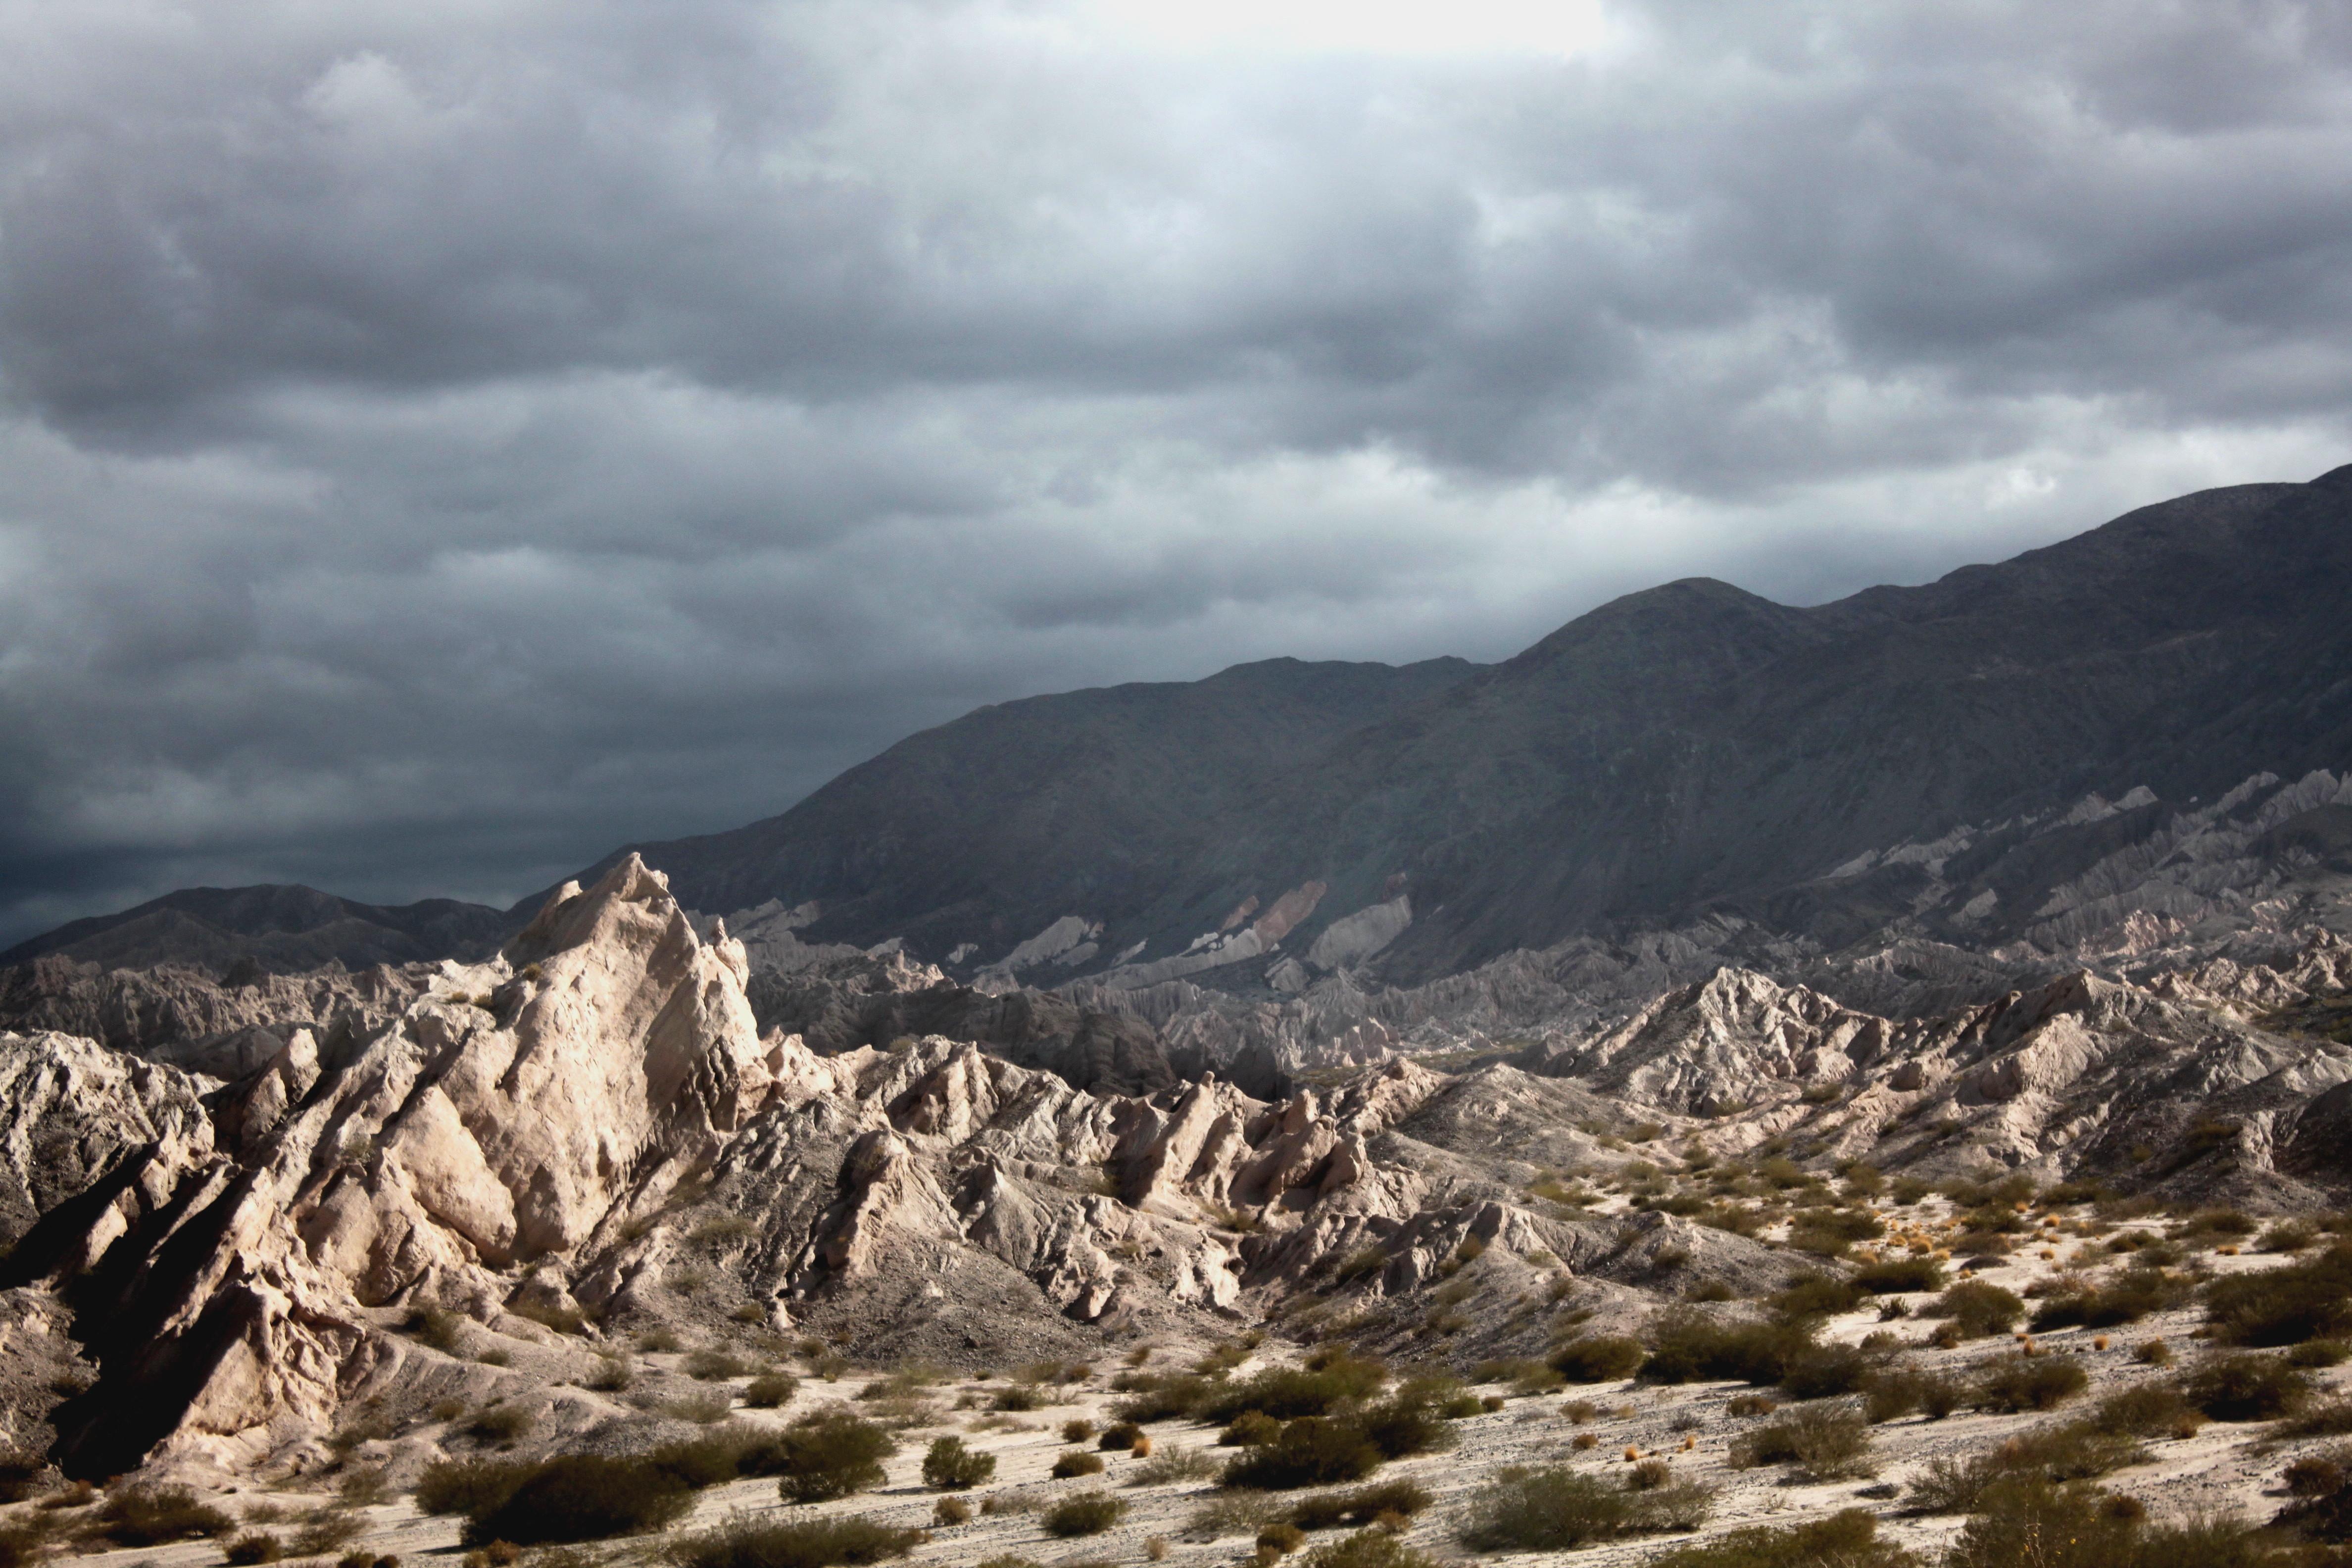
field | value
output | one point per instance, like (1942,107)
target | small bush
(1174,1463)
(1818,1296)
(1288,1393)
(795,1543)
(1820,1372)
(950,1466)
(2146,1410)
(1898,1390)
(1605,1358)
(2242,1386)
(1685,1347)
(2132,1295)
(1077,1462)
(1898,1276)
(248,1550)
(501,1423)
(1312,1451)
(771,1390)
(610,1374)
(1360,1506)
(830,1459)
(2306,1301)
(1164,1398)
(1369,1549)
(1249,1429)
(1829,1443)
(326,1532)
(151,1516)
(578,1497)
(1088,1513)
(20,1472)
(1558,1510)
(1848,1539)
(1077,1431)
(715,1366)
(1977,1308)
(2029,1382)
(950,1511)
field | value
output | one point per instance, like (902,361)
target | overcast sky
(439,441)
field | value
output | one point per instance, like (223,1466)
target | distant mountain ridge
(1885,767)
(1686,749)
(279,928)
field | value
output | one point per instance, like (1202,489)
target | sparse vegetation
(793,1544)
(1557,1509)
(1088,1513)
(950,1466)
(1827,1442)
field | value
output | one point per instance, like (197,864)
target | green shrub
(2146,1410)
(1289,1392)
(1818,1296)
(1077,1462)
(2131,1296)
(1174,1463)
(771,1390)
(952,1467)
(1827,1442)
(2024,1520)
(1558,1510)
(1249,1429)
(1686,1347)
(744,1543)
(248,1550)
(1848,1539)
(1891,1391)
(1312,1451)
(580,1497)
(1358,1506)
(1977,1308)
(1119,1439)
(1603,1358)
(2029,1382)
(830,1459)
(151,1516)
(715,1366)
(1820,1372)
(1369,1549)
(1162,1398)
(1088,1513)
(1896,1275)
(2242,1387)
(1829,1232)
(2306,1301)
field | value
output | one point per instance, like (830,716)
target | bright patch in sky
(1381,27)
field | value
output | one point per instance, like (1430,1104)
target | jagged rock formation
(544,1127)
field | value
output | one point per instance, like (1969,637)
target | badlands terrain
(1760,1255)
(1732,1086)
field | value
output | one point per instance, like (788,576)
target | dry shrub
(1556,1508)
(1358,1506)
(794,1543)
(1827,1442)
(1088,1513)
(1848,1539)
(151,1516)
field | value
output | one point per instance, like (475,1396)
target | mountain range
(1687,753)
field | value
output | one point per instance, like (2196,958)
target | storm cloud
(438,442)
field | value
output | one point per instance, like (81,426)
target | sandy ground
(2221,1469)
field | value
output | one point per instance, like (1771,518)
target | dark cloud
(443,441)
